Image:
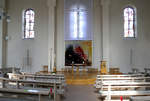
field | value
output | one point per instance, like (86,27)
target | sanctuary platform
(81,77)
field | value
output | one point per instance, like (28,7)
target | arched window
(129,13)
(28,15)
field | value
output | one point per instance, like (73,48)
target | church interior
(74,50)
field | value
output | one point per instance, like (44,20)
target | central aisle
(81,93)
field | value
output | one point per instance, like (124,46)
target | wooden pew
(56,77)
(113,87)
(140,98)
(12,75)
(26,92)
(122,75)
(54,84)
(124,93)
(133,77)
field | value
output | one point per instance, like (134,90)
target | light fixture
(4,15)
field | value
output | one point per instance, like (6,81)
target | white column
(51,33)
(105,30)
(60,54)
(97,35)
(1,38)
(2,34)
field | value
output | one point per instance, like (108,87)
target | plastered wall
(123,53)
(129,53)
(17,46)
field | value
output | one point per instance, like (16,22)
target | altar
(77,67)
(80,74)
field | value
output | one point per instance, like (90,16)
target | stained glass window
(129,22)
(29,15)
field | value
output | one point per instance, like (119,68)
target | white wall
(120,49)
(17,47)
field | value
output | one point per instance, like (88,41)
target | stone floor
(81,93)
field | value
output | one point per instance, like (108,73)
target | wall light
(4,15)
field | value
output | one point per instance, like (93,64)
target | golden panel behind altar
(78,52)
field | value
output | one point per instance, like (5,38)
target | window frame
(24,23)
(78,21)
(134,22)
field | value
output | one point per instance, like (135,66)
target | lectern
(103,68)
